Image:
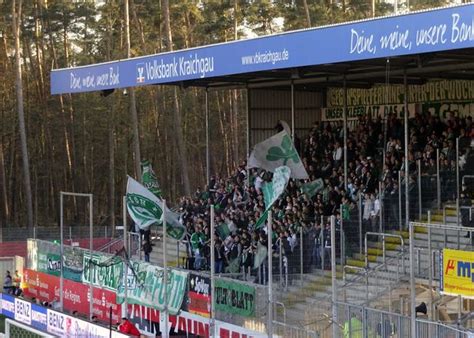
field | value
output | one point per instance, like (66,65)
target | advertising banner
(457,273)
(148,290)
(23,311)
(66,326)
(8,306)
(414,33)
(39,318)
(199,295)
(45,257)
(45,287)
(233,297)
(54,322)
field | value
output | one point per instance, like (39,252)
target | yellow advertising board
(457,273)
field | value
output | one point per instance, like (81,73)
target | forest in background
(84,142)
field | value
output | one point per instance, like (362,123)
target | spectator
(147,248)
(127,327)
(8,283)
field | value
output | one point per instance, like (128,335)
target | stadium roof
(433,44)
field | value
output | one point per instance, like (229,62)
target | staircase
(175,251)
(388,282)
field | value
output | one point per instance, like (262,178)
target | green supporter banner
(108,277)
(147,287)
(235,298)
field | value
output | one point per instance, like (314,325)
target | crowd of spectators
(375,157)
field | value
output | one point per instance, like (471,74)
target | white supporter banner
(372,111)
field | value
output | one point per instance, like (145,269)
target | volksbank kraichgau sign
(430,31)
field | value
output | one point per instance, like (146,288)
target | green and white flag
(276,151)
(272,190)
(145,287)
(312,188)
(149,179)
(146,209)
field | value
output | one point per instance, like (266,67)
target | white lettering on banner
(22,311)
(403,39)
(39,317)
(184,66)
(361,44)
(73,297)
(201,286)
(8,306)
(111,77)
(460,31)
(396,40)
(431,36)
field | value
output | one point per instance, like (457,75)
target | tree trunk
(3,191)
(177,121)
(21,115)
(133,104)
(306,10)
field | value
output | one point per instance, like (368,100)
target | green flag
(146,209)
(312,188)
(223,230)
(273,190)
(149,179)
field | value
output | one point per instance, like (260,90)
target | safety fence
(359,321)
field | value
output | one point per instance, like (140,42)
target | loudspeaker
(421,308)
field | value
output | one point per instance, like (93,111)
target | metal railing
(384,236)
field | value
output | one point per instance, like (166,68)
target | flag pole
(270,275)
(164,317)
(213,285)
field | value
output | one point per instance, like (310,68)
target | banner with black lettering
(236,298)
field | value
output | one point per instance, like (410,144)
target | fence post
(457,175)
(280,261)
(321,236)
(213,271)
(61,250)
(380,208)
(430,266)
(333,277)
(341,237)
(400,223)
(164,318)
(420,208)
(412,282)
(301,254)
(438,180)
(360,223)
(177,251)
(127,251)
(270,276)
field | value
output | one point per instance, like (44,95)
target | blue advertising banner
(39,319)
(430,31)
(8,306)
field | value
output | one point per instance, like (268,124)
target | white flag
(146,209)
(273,190)
(276,151)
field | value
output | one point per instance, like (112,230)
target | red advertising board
(45,287)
